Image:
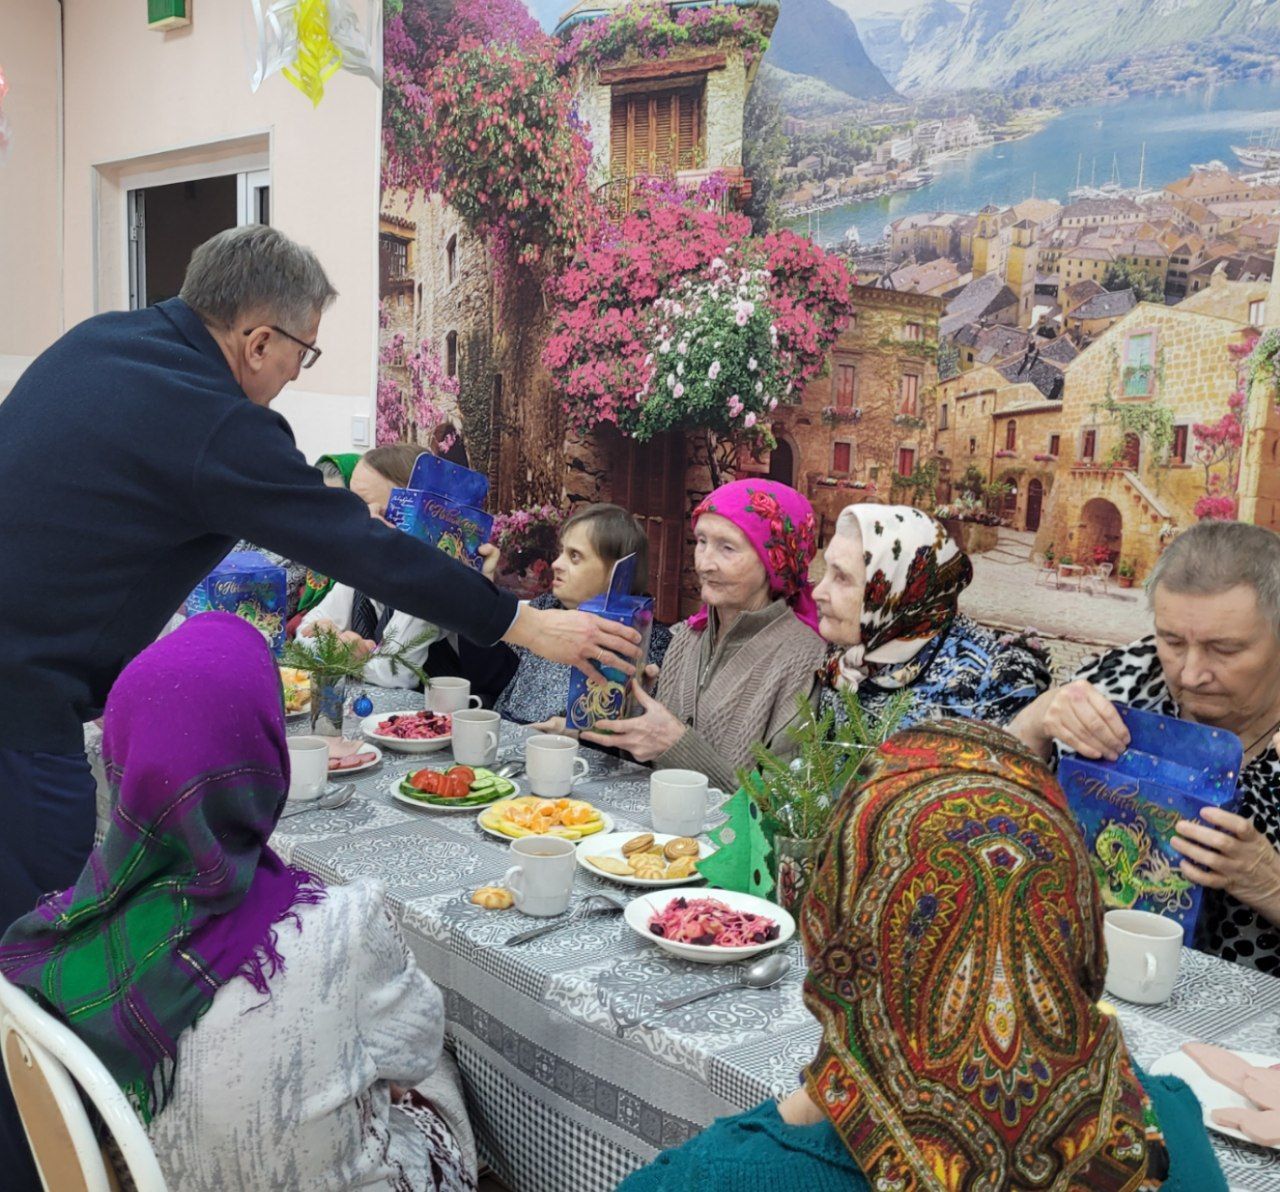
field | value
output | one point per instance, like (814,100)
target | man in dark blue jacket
(167,453)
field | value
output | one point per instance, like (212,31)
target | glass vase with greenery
(332,659)
(798,792)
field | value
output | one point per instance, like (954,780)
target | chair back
(48,1068)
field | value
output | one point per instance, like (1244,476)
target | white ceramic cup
(542,881)
(308,768)
(678,802)
(1143,950)
(475,736)
(553,764)
(449,694)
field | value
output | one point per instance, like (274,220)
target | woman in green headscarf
(336,470)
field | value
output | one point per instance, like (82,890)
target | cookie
(648,867)
(682,867)
(611,865)
(638,844)
(681,846)
(492,898)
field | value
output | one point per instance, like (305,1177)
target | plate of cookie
(646,859)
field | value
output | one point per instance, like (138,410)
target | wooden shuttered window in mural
(655,132)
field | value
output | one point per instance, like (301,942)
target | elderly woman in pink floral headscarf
(733,670)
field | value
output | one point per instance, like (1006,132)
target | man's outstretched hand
(576,639)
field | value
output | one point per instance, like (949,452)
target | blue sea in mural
(1178,129)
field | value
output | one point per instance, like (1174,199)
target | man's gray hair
(1213,556)
(256,270)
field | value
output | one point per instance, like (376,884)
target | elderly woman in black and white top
(1214,659)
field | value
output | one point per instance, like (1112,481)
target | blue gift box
(458,530)
(613,699)
(251,586)
(1129,809)
(464,485)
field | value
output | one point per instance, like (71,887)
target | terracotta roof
(1110,304)
(1096,208)
(1036,210)
(1087,252)
(925,277)
(985,295)
(1079,291)
(1061,350)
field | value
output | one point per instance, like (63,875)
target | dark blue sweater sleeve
(251,481)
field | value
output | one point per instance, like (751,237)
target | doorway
(649,480)
(1035,500)
(782,464)
(169,221)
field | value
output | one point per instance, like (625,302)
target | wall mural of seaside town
(1017,255)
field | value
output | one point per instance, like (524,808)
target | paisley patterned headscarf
(780,526)
(915,574)
(953,932)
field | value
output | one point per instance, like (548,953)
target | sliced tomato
(419,780)
(454,787)
(463,772)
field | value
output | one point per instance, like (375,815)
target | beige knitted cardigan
(737,691)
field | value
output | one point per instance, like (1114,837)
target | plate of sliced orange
(529,815)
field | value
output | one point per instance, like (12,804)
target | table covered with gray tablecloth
(562,1099)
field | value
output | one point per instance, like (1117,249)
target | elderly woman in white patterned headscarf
(888,604)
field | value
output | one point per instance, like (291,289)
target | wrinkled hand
(554,725)
(646,736)
(576,639)
(311,629)
(1230,854)
(1083,719)
(492,560)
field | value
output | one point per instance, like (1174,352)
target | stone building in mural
(1078,453)
(435,288)
(873,415)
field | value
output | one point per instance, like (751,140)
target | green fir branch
(327,656)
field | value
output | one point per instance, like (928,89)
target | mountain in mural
(816,38)
(819,39)
(938,46)
(892,38)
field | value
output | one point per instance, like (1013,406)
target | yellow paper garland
(319,57)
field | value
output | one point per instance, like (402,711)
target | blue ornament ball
(363,706)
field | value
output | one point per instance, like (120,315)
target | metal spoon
(509,769)
(331,800)
(760,974)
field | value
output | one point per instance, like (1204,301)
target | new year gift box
(464,485)
(613,699)
(443,505)
(1129,809)
(251,586)
(458,530)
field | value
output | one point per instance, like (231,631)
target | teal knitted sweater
(758,1150)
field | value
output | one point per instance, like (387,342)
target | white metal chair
(45,1062)
(1101,575)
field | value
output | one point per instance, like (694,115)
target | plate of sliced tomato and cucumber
(452,788)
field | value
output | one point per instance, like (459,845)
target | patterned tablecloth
(562,1099)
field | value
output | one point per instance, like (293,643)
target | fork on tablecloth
(593,904)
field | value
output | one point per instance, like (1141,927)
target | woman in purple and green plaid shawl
(183,893)
(255,1020)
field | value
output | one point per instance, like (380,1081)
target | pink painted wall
(30,294)
(139,103)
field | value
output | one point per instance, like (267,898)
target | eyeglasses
(309,356)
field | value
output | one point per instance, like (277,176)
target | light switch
(360,432)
